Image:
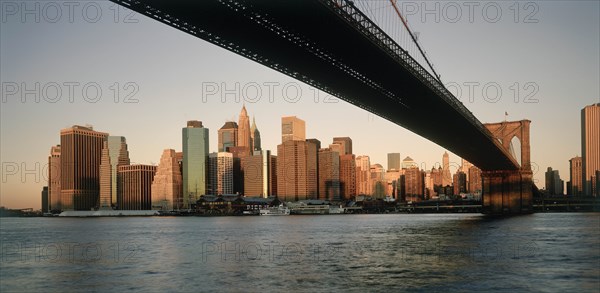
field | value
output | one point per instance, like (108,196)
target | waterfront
(555,252)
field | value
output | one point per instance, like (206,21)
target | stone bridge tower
(509,191)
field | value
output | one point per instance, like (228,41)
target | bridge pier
(507,192)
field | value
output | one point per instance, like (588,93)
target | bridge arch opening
(515,149)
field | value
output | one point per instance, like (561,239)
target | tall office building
(81,150)
(393,161)
(337,147)
(429,190)
(255,136)
(167,186)
(554,185)
(114,154)
(596,180)
(220,170)
(260,174)
(54,189)
(475,183)
(460,182)
(329,175)
(292,181)
(239,153)
(377,181)
(45,202)
(195,161)
(392,178)
(347,177)
(345,143)
(590,145)
(415,183)
(408,163)
(576,172)
(312,167)
(363,175)
(134,187)
(244,138)
(228,135)
(436,177)
(446,176)
(292,128)
(316,143)
(105,179)
(297,163)
(464,167)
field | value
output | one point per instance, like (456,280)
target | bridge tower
(509,191)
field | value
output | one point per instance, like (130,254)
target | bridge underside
(316,42)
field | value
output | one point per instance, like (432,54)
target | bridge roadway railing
(349,12)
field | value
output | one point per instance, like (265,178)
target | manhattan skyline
(172,90)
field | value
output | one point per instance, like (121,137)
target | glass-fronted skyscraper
(195,161)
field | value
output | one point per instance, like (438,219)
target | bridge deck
(315,42)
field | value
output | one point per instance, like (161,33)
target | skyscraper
(195,161)
(436,177)
(255,136)
(408,162)
(292,184)
(347,176)
(475,183)
(292,128)
(134,190)
(392,178)
(312,167)
(377,180)
(590,145)
(460,182)
(363,175)
(464,167)
(220,170)
(81,149)
(297,169)
(393,161)
(446,176)
(54,189)
(239,153)
(228,135)
(244,136)
(168,183)
(329,176)
(114,154)
(45,202)
(576,171)
(346,144)
(597,183)
(415,183)
(260,174)
(105,179)
(554,185)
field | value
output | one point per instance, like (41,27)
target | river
(543,252)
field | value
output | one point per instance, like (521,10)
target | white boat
(336,209)
(275,211)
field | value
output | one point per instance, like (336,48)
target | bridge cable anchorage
(415,39)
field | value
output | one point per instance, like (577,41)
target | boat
(336,209)
(275,211)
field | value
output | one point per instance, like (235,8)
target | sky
(99,64)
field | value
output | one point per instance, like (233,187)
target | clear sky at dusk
(166,71)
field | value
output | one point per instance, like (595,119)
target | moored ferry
(275,211)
